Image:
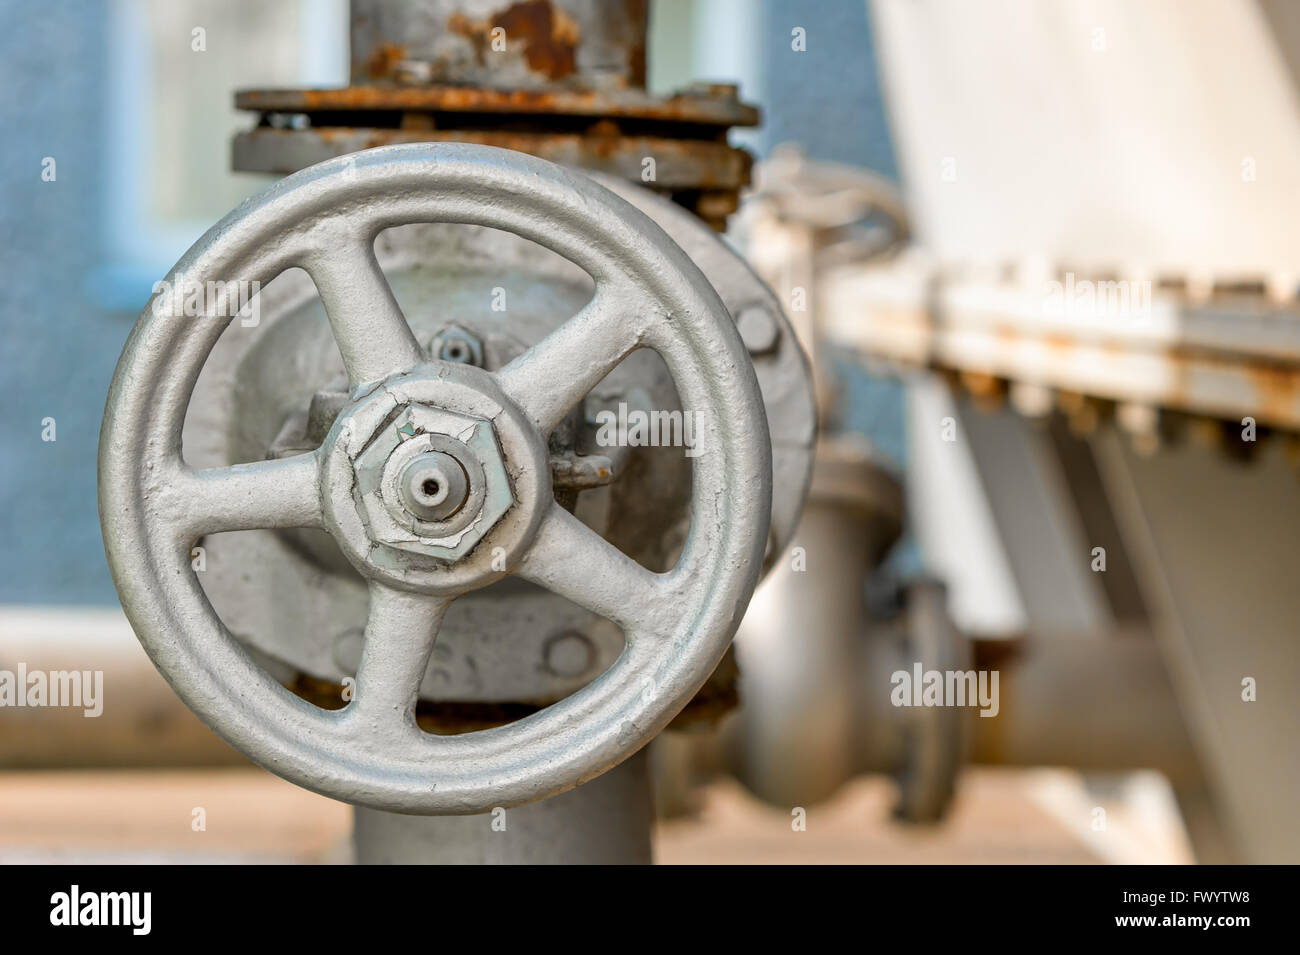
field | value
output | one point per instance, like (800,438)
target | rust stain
(421,121)
(1062,345)
(990,744)
(702,176)
(550,36)
(474,31)
(383,61)
(982,384)
(1274,386)
(628,104)
(714,171)
(637,64)
(1278,388)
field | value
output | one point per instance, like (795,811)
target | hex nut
(419,430)
(569,654)
(458,345)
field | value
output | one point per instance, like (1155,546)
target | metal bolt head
(431,482)
(569,654)
(458,411)
(758,329)
(433,486)
(457,345)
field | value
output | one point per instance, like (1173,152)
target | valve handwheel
(435,480)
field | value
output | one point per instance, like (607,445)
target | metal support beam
(1044,540)
(1213,542)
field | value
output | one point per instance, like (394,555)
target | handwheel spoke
(570,559)
(400,633)
(372,333)
(552,376)
(279,493)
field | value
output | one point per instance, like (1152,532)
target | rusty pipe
(529,44)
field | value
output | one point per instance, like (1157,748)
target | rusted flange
(675,145)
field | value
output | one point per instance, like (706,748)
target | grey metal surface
(780,362)
(801,647)
(605,821)
(310,605)
(678,624)
(1095,701)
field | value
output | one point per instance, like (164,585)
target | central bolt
(433,486)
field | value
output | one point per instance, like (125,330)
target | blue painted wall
(57,351)
(826,98)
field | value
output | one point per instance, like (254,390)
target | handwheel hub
(432,480)
(433,486)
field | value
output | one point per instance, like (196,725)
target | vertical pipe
(603,822)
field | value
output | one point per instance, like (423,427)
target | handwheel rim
(336,752)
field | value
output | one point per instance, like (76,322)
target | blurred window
(174,66)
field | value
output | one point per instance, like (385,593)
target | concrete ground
(248,816)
